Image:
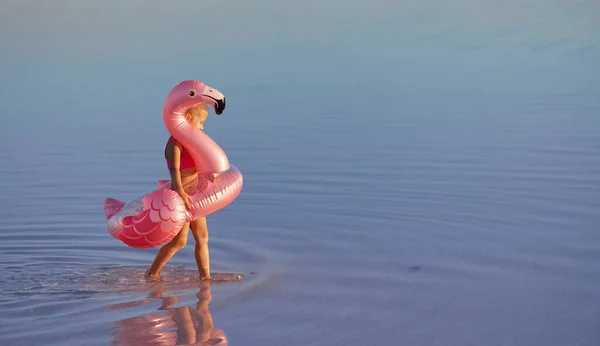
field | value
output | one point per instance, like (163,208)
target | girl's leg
(167,251)
(200,232)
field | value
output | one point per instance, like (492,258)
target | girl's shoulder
(172,142)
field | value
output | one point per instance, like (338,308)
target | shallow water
(415,173)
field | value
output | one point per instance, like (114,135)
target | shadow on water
(170,324)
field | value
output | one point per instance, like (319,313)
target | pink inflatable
(155,218)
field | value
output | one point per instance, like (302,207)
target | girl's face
(197,118)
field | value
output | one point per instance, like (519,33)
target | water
(415,173)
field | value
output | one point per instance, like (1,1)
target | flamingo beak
(217,99)
(220,106)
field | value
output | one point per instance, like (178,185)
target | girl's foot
(152,277)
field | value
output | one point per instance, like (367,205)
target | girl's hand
(187,200)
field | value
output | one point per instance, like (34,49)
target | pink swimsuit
(185,161)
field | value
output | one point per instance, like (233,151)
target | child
(182,169)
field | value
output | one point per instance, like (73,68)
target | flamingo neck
(208,155)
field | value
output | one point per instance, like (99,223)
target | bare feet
(152,277)
(204,275)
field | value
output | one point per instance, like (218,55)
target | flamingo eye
(192,93)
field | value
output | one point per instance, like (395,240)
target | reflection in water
(184,325)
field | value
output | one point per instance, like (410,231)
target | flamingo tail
(112,206)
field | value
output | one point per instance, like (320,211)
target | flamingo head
(191,93)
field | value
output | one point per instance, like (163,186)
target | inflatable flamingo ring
(156,217)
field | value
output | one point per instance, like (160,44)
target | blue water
(415,173)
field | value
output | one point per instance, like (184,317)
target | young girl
(182,169)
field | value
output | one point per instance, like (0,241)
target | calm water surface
(416,173)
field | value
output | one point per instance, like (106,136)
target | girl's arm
(174,151)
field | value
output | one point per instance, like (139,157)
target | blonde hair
(197,116)
(198,111)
